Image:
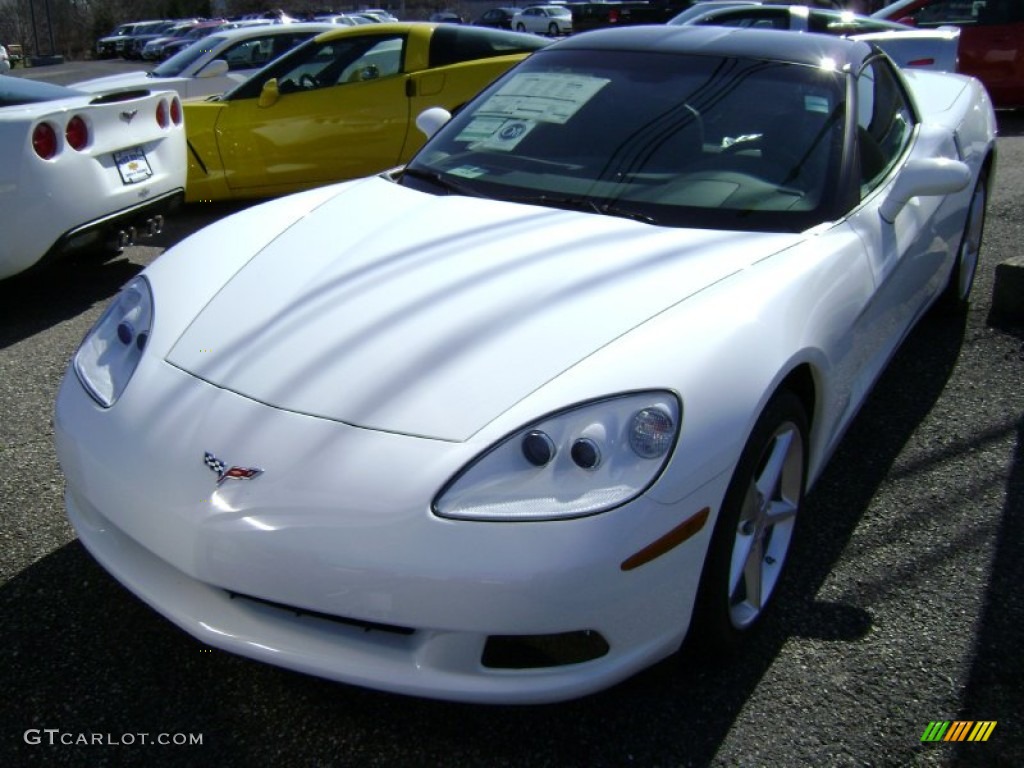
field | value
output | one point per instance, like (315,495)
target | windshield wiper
(585,204)
(440,180)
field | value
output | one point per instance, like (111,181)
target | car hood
(396,310)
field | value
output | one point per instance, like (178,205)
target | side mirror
(931,176)
(430,121)
(215,68)
(270,94)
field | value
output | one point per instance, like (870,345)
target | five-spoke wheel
(755,525)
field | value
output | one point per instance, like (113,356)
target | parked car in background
(498,18)
(202,30)
(216,63)
(550,20)
(509,424)
(340,106)
(378,13)
(991,39)
(107,47)
(447,17)
(907,46)
(622,13)
(346,19)
(80,172)
(153,50)
(129,46)
(15,54)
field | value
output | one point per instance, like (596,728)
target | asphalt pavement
(902,605)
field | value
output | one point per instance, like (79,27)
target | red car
(991,39)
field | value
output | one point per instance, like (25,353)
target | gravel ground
(902,604)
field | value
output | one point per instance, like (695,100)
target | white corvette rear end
(83,171)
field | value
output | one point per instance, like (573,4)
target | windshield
(177,64)
(676,140)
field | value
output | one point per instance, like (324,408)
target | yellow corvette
(341,106)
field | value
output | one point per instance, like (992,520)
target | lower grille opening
(537,651)
(369,626)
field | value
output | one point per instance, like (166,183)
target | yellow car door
(339,111)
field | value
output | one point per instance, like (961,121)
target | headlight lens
(111,351)
(581,461)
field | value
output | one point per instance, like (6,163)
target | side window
(1000,12)
(766,18)
(948,12)
(885,122)
(381,60)
(452,43)
(248,54)
(348,60)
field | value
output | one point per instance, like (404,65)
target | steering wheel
(307,80)
(362,74)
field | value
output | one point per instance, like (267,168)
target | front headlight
(581,461)
(111,351)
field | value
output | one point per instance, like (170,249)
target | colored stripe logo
(959,730)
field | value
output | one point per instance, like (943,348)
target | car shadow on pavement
(51,293)
(995,683)
(62,288)
(84,656)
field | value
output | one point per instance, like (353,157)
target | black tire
(759,512)
(552,29)
(520,27)
(956,296)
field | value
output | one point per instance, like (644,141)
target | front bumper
(354,578)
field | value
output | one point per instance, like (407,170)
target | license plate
(133,165)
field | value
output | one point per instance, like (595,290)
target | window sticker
(508,135)
(480,128)
(542,97)
(467,171)
(816,104)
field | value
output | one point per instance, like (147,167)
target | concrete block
(1008,289)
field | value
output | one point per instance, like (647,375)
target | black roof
(773,44)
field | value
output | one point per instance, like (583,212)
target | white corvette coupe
(507,424)
(81,171)
(215,63)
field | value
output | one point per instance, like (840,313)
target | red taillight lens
(77,133)
(161,114)
(44,141)
(175,111)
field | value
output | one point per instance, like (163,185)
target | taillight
(176,111)
(44,141)
(161,114)
(77,133)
